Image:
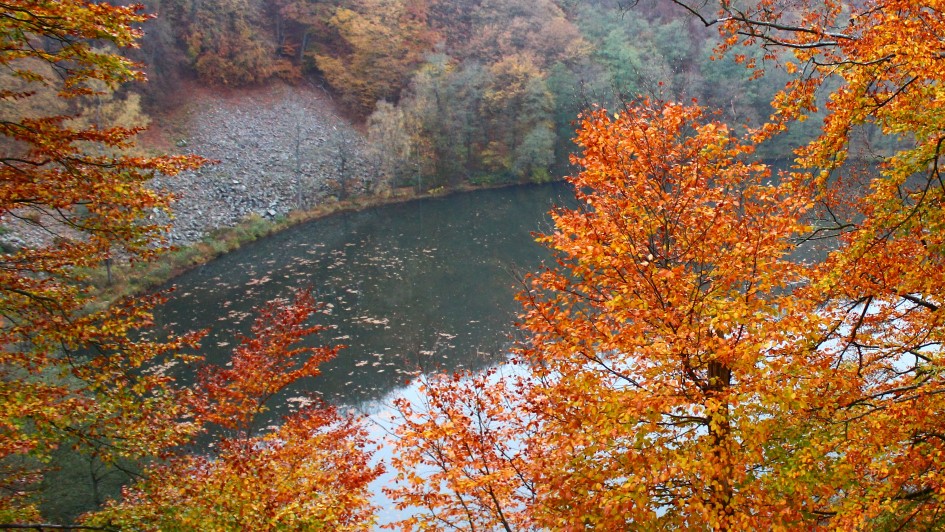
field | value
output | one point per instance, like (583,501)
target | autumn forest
(738,330)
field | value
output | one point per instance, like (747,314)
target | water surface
(421,286)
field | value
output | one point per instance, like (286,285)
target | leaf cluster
(723,346)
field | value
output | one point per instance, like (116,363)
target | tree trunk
(720,491)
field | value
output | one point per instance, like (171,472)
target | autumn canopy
(722,345)
(74,376)
(719,345)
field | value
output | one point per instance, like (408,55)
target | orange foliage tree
(309,473)
(460,459)
(376,46)
(670,346)
(662,354)
(69,373)
(687,364)
(871,66)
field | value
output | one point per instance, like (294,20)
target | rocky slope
(278,148)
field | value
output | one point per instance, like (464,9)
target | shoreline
(128,280)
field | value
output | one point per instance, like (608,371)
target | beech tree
(659,356)
(670,344)
(686,365)
(873,65)
(460,459)
(70,373)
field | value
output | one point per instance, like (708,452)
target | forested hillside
(462,91)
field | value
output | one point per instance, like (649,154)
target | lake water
(421,286)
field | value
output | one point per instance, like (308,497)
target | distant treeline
(464,90)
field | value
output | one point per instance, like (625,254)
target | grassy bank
(125,280)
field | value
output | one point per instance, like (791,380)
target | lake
(421,286)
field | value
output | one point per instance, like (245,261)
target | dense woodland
(460,91)
(679,367)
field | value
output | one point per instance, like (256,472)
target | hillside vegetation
(449,91)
